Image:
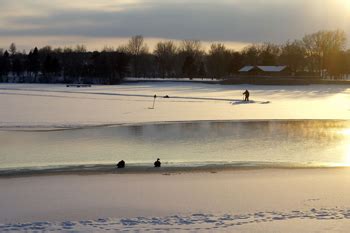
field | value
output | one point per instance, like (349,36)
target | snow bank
(238,201)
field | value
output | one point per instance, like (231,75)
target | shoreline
(163,171)
(51,128)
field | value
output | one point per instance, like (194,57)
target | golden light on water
(346,134)
(347,156)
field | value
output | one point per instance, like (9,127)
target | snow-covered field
(24,105)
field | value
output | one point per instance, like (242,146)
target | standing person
(157,163)
(246,95)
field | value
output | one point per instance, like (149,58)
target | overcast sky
(97,23)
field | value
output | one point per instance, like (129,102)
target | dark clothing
(121,164)
(157,163)
(246,95)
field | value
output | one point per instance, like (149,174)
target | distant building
(247,69)
(265,70)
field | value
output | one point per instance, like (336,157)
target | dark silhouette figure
(246,95)
(157,163)
(121,164)
(154,101)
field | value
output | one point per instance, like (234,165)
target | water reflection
(297,142)
(136,130)
(345,132)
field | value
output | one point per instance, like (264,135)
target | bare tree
(320,45)
(191,57)
(251,55)
(137,48)
(165,53)
(191,47)
(67,50)
(136,45)
(122,49)
(293,54)
(218,60)
(261,54)
(13,49)
(268,54)
(108,49)
(80,49)
(58,50)
(45,50)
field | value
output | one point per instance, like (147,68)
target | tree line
(320,54)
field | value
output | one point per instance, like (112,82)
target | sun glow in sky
(342,11)
(346,4)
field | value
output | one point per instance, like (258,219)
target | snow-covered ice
(42,105)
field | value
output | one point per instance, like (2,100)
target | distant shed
(274,69)
(265,70)
(246,69)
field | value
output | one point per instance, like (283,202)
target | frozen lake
(186,144)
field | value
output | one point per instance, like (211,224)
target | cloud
(243,21)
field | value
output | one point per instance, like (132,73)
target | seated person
(157,163)
(121,164)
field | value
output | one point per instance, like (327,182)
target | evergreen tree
(33,62)
(17,67)
(5,66)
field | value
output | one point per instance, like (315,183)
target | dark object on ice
(78,85)
(121,164)
(167,97)
(154,101)
(246,95)
(157,163)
